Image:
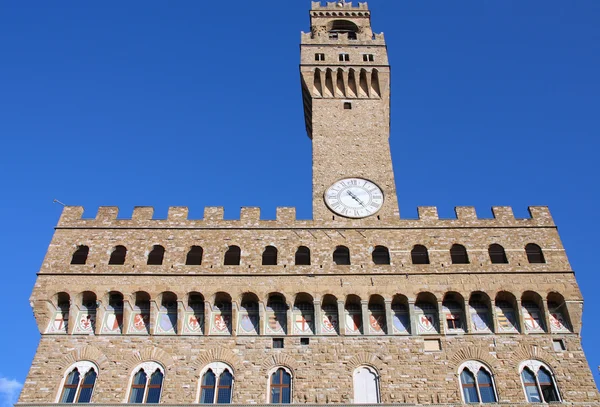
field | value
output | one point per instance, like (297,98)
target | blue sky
(196,103)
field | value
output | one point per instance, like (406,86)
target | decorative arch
(150,354)
(274,361)
(89,353)
(216,355)
(525,352)
(364,359)
(475,353)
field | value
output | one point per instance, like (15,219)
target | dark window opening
(156,256)
(344,57)
(343,26)
(194,256)
(80,256)
(232,256)
(117,257)
(304,341)
(341,256)
(497,254)
(458,254)
(302,256)
(559,345)
(277,343)
(319,57)
(419,255)
(381,255)
(269,256)
(347,105)
(534,253)
(368,57)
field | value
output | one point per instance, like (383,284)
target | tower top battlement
(338,5)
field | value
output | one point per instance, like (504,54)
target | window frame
(149,369)
(474,366)
(270,375)
(377,382)
(534,367)
(83,368)
(217,368)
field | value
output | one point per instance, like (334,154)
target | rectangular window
(344,57)
(304,341)
(432,345)
(559,345)
(277,343)
(319,57)
(368,57)
(347,105)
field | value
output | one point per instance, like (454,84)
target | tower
(354,306)
(346,93)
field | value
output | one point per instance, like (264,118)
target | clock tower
(346,94)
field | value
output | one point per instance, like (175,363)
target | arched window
(506,312)
(538,382)
(60,321)
(156,256)
(304,315)
(112,322)
(140,314)
(248,315)
(458,254)
(377,320)
(276,315)
(419,255)
(193,320)
(337,27)
(480,312)
(269,256)
(220,322)
(532,309)
(353,315)
(117,257)
(78,385)
(477,383)
(281,387)
(302,256)
(381,255)
(232,256)
(341,256)
(366,385)
(217,384)
(146,385)
(166,320)
(329,315)
(534,253)
(80,256)
(85,323)
(194,256)
(426,314)
(452,306)
(497,254)
(558,313)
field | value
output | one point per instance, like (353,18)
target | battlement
(143,217)
(338,5)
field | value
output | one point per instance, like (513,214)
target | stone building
(356,305)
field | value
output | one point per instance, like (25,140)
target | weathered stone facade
(414,324)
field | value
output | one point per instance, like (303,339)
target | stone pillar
(545,316)
(494,315)
(73,313)
(234,317)
(262,318)
(412,315)
(441,318)
(289,319)
(180,316)
(364,305)
(389,317)
(207,317)
(126,315)
(318,319)
(100,311)
(153,317)
(519,314)
(341,317)
(468,321)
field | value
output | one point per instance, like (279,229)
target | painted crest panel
(558,322)
(86,322)
(193,322)
(353,322)
(531,318)
(248,323)
(166,321)
(377,324)
(330,322)
(507,321)
(276,322)
(59,323)
(139,321)
(220,321)
(427,323)
(401,322)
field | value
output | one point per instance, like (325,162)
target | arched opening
(248,318)
(79,383)
(276,314)
(317,84)
(341,256)
(497,254)
(558,313)
(400,315)
(375,83)
(269,256)
(281,387)
(458,254)
(452,306)
(147,387)
(377,320)
(426,314)
(352,84)
(60,319)
(363,88)
(381,255)
(329,314)
(480,310)
(232,256)
(140,315)
(156,256)
(339,85)
(220,322)
(538,382)
(216,384)
(534,253)
(85,322)
(477,383)
(167,314)
(337,27)
(304,314)
(329,83)
(353,309)
(366,385)
(80,256)
(117,257)
(302,257)
(113,315)
(193,322)
(194,256)
(506,312)
(419,255)
(532,307)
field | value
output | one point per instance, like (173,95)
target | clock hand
(356,198)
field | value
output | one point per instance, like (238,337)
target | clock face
(354,198)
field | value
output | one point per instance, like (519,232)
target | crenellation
(70,214)
(107,214)
(503,213)
(427,213)
(465,214)
(142,213)
(286,215)
(214,213)
(249,216)
(541,214)
(178,213)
